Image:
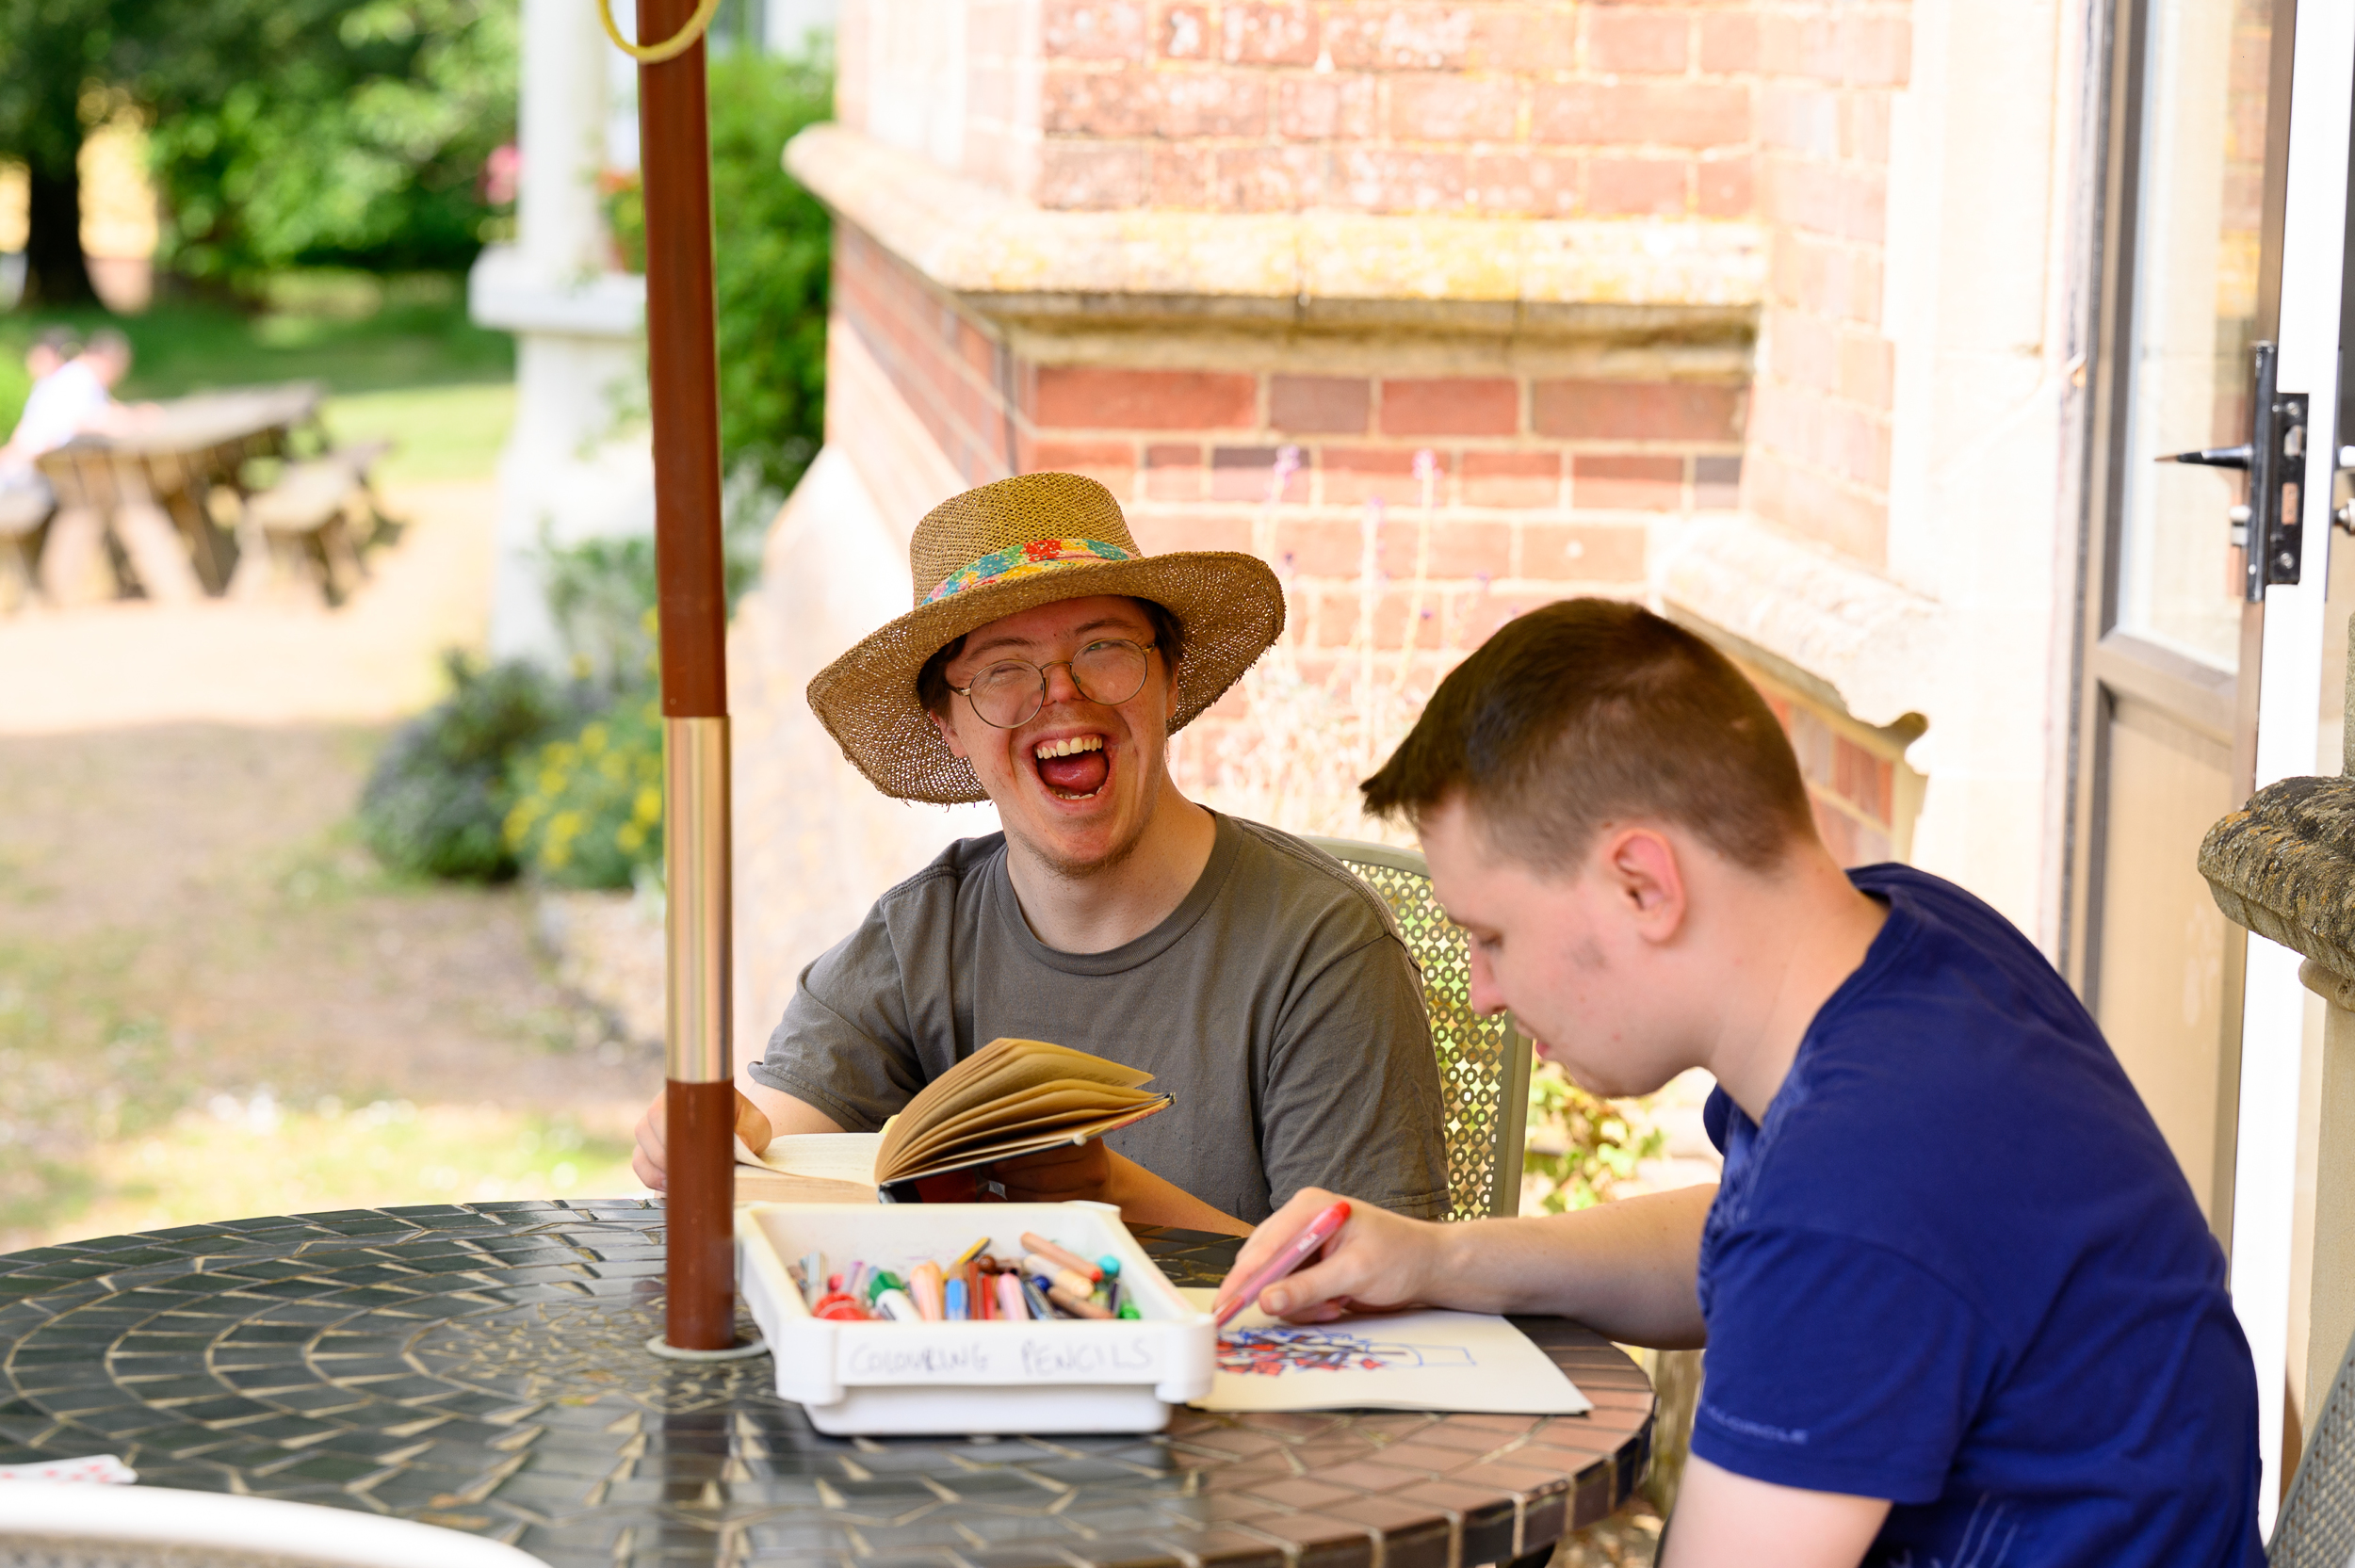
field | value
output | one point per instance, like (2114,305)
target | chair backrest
(2316,1526)
(1484,1062)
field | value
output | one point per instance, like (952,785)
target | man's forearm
(787,1116)
(1626,1268)
(1146,1199)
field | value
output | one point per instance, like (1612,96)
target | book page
(1432,1360)
(757,1184)
(826,1157)
(1001,1068)
(1032,1110)
(991,1152)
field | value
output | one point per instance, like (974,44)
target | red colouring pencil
(1299,1249)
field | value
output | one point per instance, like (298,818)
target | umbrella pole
(681,361)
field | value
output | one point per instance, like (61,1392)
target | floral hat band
(1025,561)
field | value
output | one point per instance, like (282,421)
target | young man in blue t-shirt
(1960,1304)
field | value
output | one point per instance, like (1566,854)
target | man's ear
(948,734)
(1645,879)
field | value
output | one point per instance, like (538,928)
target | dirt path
(211,1000)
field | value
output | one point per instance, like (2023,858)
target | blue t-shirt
(1959,1268)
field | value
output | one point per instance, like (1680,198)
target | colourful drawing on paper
(1275,1351)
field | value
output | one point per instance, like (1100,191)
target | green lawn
(399,357)
(438,432)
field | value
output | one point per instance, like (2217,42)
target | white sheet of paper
(828,1157)
(1451,1361)
(104,1469)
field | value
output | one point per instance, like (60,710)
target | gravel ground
(193,948)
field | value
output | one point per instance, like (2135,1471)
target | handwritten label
(960,1362)
(1125,1359)
(892,1354)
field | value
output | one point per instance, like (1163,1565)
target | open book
(1012,1097)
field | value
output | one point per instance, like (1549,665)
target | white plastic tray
(969,1378)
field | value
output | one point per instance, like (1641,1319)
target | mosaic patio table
(481,1367)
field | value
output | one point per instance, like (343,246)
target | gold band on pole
(695,858)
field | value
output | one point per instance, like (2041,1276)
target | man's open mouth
(1073,768)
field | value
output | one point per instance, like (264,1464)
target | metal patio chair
(2316,1526)
(1484,1062)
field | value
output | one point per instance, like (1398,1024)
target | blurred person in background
(71,399)
(41,428)
(72,395)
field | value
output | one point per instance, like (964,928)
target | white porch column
(579,327)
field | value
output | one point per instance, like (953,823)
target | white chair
(77,1524)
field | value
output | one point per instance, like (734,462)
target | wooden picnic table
(149,485)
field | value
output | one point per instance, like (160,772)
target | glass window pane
(2199,238)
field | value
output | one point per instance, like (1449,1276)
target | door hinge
(2270,527)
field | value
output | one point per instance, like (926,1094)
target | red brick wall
(1533,486)
(1864,793)
(1777,110)
(1547,110)
(1819,452)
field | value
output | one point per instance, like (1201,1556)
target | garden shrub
(435,804)
(1579,1146)
(771,244)
(601,594)
(587,809)
(577,800)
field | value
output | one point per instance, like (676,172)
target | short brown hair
(1593,711)
(1169,640)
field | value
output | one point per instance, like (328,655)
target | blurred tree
(53,54)
(320,132)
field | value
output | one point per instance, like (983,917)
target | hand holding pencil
(1320,1257)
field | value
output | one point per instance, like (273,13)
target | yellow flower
(614,766)
(564,825)
(649,807)
(629,835)
(592,739)
(551,782)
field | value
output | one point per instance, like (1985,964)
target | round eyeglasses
(1008,693)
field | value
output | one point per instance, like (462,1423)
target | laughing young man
(1960,1307)
(1044,667)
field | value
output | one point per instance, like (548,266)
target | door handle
(2269,528)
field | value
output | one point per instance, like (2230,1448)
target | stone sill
(505,292)
(1845,636)
(1347,271)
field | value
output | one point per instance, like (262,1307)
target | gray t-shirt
(1276,1004)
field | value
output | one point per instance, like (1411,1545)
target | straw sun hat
(1008,547)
